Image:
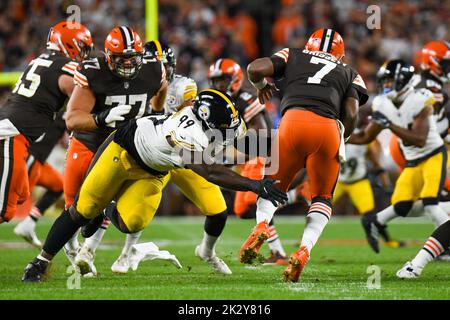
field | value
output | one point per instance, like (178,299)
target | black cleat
(35,271)
(88,230)
(373,229)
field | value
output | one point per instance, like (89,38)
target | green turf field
(337,269)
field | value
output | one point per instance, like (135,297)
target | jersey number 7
(326,69)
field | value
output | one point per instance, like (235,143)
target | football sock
(94,241)
(131,239)
(274,241)
(316,220)
(265,210)
(47,200)
(292,196)
(208,245)
(445,206)
(417,209)
(42,258)
(386,215)
(437,215)
(215,224)
(434,246)
(61,231)
(35,214)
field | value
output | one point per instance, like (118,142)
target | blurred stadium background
(202,31)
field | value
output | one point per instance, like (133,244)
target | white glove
(109,117)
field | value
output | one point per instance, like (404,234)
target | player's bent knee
(77,217)
(402,208)
(134,224)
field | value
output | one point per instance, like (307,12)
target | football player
(320,101)
(207,196)
(353,177)
(110,90)
(131,164)
(408,113)
(226,75)
(41,173)
(40,92)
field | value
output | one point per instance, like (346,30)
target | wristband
(260,84)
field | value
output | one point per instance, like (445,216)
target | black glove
(380,119)
(265,189)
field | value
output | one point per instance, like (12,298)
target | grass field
(337,269)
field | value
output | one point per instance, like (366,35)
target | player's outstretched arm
(367,135)
(418,134)
(158,100)
(226,178)
(257,72)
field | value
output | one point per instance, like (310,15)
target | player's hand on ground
(108,118)
(266,93)
(266,189)
(380,119)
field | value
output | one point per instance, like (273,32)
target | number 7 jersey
(317,82)
(111,91)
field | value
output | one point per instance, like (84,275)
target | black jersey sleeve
(279,60)
(357,89)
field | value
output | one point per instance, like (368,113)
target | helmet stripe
(328,49)
(159,49)
(224,97)
(325,42)
(218,65)
(131,37)
(126,36)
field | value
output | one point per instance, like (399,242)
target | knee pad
(403,208)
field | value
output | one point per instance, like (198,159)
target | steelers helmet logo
(204,112)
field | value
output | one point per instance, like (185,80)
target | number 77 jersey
(317,81)
(110,91)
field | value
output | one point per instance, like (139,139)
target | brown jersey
(36,98)
(248,107)
(111,91)
(317,82)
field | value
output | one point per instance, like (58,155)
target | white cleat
(214,261)
(150,251)
(121,265)
(409,271)
(25,229)
(84,261)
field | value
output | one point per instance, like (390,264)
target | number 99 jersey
(36,97)
(355,168)
(111,91)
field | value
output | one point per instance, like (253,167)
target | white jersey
(180,90)
(161,140)
(404,116)
(355,168)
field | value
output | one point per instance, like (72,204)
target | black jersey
(41,149)
(441,107)
(36,97)
(248,106)
(111,91)
(317,82)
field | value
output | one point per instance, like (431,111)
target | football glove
(380,119)
(265,189)
(108,118)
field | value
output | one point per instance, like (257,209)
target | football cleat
(71,254)
(395,243)
(25,229)
(121,265)
(409,271)
(35,271)
(444,256)
(373,229)
(84,261)
(214,261)
(297,262)
(250,248)
(275,259)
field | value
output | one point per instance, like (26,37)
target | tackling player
(110,90)
(131,164)
(40,92)
(226,75)
(41,173)
(408,113)
(321,91)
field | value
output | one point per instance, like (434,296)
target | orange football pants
(46,176)
(14,188)
(307,140)
(78,159)
(244,199)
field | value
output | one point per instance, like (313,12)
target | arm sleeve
(69,68)
(80,79)
(279,60)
